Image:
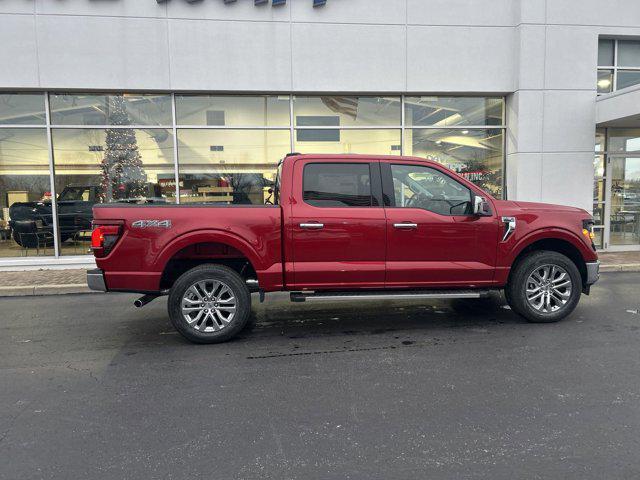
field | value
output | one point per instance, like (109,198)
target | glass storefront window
(475,154)
(229,166)
(606,53)
(625,200)
(122,165)
(26,222)
(627,78)
(453,111)
(22,109)
(119,147)
(110,109)
(370,141)
(233,111)
(624,140)
(628,53)
(346,111)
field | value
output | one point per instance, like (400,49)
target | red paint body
(358,248)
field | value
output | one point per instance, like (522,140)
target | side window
(337,185)
(415,186)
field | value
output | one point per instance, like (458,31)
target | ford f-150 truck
(345,226)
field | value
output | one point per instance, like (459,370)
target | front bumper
(95,280)
(593,272)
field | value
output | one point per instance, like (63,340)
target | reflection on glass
(627,78)
(373,142)
(598,237)
(628,53)
(605,81)
(229,166)
(624,140)
(347,110)
(474,154)
(605,53)
(121,165)
(452,111)
(26,223)
(625,201)
(601,135)
(105,109)
(236,111)
(22,109)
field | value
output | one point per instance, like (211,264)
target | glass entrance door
(624,219)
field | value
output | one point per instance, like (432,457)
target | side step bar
(389,295)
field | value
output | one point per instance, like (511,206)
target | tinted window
(337,185)
(423,187)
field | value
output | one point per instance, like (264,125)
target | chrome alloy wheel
(548,288)
(208,305)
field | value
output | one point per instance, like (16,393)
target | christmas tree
(122,172)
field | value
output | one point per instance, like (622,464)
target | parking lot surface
(91,387)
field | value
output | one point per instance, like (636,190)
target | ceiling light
(604,83)
(464,132)
(438,142)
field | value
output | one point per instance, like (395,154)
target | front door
(432,237)
(337,225)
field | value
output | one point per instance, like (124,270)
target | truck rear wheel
(544,287)
(209,304)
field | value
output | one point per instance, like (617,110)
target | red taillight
(103,238)
(97,238)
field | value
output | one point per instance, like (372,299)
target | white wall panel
(594,12)
(132,8)
(17,6)
(569,121)
(358,58)
(18,53)
(461,12)
(220,55)
(524,121)
(460,59)
(352,11)
(218,10)
(571,57)
(531,46)
(102,52)
(567,179)
(524,176)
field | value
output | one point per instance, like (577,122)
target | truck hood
(524,207)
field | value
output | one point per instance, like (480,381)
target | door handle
(405,226)
(312,226)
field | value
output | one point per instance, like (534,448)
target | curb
(33,290)
(626,267)
(25,291)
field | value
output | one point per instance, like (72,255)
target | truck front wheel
(209,304)
(544,287)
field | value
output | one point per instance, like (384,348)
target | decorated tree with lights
(122,172)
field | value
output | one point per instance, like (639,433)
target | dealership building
(192,101)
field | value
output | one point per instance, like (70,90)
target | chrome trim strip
(388,296)
(510,227)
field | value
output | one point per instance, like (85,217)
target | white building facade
(195,101)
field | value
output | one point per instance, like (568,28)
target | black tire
(206,333)
(516,289)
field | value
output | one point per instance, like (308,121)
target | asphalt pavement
(92,388)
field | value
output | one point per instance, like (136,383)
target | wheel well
(556,245)
(202,253)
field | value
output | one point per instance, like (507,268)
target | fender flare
(547,233)
(206,236)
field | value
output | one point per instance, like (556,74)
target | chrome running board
(389,295)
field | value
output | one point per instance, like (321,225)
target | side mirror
(481,207)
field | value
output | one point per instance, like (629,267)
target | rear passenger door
(337,225)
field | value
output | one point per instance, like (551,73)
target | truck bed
(152,235)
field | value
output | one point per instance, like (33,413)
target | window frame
(388,187)
(375,182)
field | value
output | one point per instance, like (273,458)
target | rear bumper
(593,272)
(95,280)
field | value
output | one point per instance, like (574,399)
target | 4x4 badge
(151,224)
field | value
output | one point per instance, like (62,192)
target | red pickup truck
(345,226)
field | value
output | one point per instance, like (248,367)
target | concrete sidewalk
(48,282)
